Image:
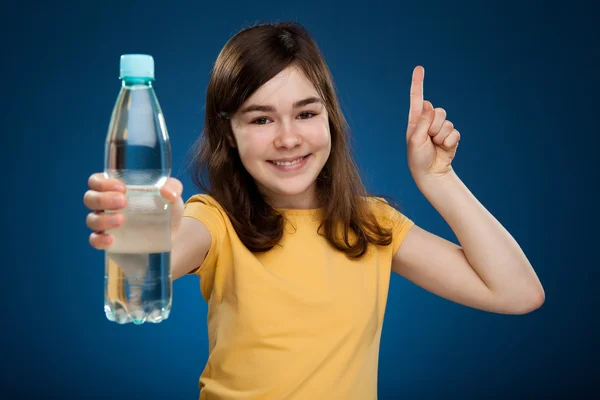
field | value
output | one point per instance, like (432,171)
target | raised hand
(431,138)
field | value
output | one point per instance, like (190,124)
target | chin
(288,189)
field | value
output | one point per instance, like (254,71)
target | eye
(260,121)
(307,115)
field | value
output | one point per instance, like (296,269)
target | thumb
(420,134)
(172,190)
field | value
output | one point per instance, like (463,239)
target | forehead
(288,86)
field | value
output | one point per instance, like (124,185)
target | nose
(287,137)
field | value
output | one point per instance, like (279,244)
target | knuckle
(94,179)
(88,198)
(95,241)
(98,222)
(90,220)
(457,136)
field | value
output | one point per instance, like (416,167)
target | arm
(190,238)
(190,244)
(489,272)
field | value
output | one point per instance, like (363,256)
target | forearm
(490,249)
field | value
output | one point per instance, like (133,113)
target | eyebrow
(269,108)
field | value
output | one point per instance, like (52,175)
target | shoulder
(382,209)
(202,198)
(390,217)
(207,210)
(202,201)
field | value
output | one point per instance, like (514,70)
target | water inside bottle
(138,286)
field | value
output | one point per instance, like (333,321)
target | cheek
(319,136)
(251,146)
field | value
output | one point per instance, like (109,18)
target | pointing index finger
(416,96)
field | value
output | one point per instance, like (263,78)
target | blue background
(519,81)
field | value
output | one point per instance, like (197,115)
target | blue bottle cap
(137,66)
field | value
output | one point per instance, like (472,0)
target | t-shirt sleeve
(206,210)
(401,224)
(394,219)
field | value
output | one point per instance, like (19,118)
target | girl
(294,257)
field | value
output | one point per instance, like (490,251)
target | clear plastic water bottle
(138,285)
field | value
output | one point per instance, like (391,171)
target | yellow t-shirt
(301,321)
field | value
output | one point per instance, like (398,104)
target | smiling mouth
(288,163)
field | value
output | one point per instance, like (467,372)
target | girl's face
(283,139)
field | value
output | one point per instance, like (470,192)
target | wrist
(428,182)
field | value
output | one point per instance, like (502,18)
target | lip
(290,168)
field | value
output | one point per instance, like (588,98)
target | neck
(302,201)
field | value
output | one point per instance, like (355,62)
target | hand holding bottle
(106,194)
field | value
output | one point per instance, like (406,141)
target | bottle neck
(132,81)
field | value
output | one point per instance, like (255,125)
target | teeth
(288,163)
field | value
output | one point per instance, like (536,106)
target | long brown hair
(247,61)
